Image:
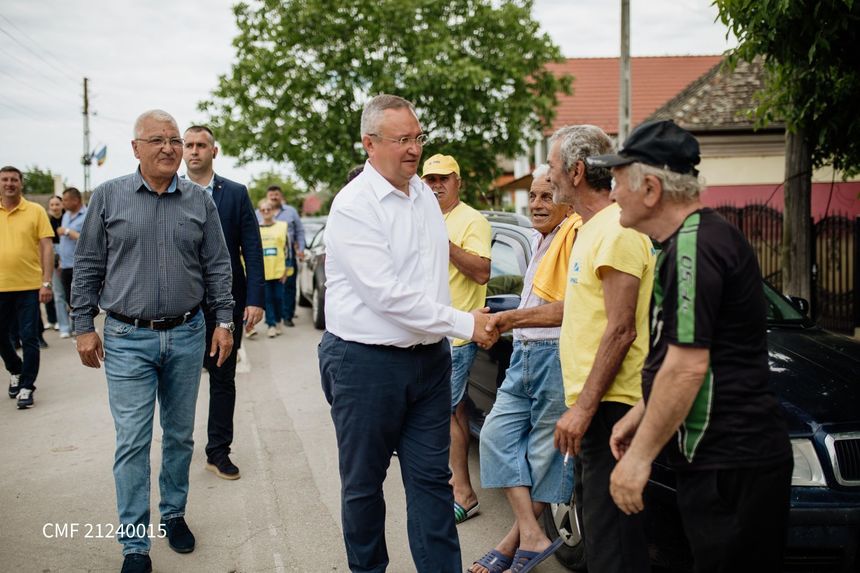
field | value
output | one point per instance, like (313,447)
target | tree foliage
(811,50)
(38,182)
(258,184)
(304,69)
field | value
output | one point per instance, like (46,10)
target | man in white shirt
(385,362)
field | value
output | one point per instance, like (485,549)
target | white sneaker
(65,335)
(56,326)
(25,398)
(14,385)
(272,332)
(278,329)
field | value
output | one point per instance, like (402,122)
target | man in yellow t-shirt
(26,266)
(603,344)
(468,272)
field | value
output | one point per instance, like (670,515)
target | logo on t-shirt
(574,273)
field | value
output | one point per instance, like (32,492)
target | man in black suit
(242,235)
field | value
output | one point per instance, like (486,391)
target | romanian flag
(101,155)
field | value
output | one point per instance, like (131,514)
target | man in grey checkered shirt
(150,250)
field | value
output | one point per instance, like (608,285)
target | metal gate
(835,272)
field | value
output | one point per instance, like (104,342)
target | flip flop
(495,561)
(461,514)
(527,560)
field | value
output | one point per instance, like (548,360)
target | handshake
(488,327)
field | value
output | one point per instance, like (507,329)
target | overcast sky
(167,54)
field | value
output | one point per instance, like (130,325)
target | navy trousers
(20,318)
(384,398)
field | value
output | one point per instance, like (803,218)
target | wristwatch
(67,231)
(46,285)
(231,326)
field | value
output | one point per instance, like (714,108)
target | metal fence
(835,272)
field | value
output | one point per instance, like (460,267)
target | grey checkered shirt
(150,256)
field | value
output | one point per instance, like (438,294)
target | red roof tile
(653,82)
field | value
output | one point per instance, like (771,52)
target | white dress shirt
(387,266)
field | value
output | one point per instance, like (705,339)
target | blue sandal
(527,560)
(495,561)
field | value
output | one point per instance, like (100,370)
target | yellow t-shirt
(603,242)
(470,231)
(274,244)
(20,256)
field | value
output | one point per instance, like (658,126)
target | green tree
(811,50)
(475,70)
(38,182)
(258,184)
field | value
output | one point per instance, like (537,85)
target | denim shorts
(517,437)
(461,361)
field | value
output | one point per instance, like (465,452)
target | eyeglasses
(160,141)
(404,141)
(266,210)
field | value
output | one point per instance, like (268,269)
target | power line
(29,67)
(20,31)
(22,109)
(38,90)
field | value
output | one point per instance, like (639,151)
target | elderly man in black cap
(705,380)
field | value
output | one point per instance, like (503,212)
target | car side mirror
(501,302)
(800,303)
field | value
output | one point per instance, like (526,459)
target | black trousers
(614,542)
(735,519)
(222,392)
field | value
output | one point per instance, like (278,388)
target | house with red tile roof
(654,81)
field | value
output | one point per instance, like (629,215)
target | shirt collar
(382,186)
(210,187)
(140,181)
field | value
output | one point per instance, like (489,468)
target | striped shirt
(150,256)
(529,299)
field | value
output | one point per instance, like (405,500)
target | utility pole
(87,157)
(624,92)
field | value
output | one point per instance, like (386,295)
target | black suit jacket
(242,234)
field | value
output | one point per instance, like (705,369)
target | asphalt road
(57,495)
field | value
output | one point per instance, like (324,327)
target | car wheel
(560,520)
(318,306)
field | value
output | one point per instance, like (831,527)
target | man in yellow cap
(468,272)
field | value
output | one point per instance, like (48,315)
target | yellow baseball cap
(441,165)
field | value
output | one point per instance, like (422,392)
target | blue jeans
(384,398)
(142,365)
(61,300)
(290,291)
(274,302)
(517,437)
(461,362)
(20,308)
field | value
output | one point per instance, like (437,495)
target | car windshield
(780,311)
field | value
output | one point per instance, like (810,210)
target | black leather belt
(159,324)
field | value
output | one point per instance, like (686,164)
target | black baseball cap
(657,143)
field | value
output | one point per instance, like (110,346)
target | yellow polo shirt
(20,258)
(470,231)
(603,242)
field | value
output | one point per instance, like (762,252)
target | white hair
(576,143)
(154,114)
(540,172)
(677,187)
(374,110)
